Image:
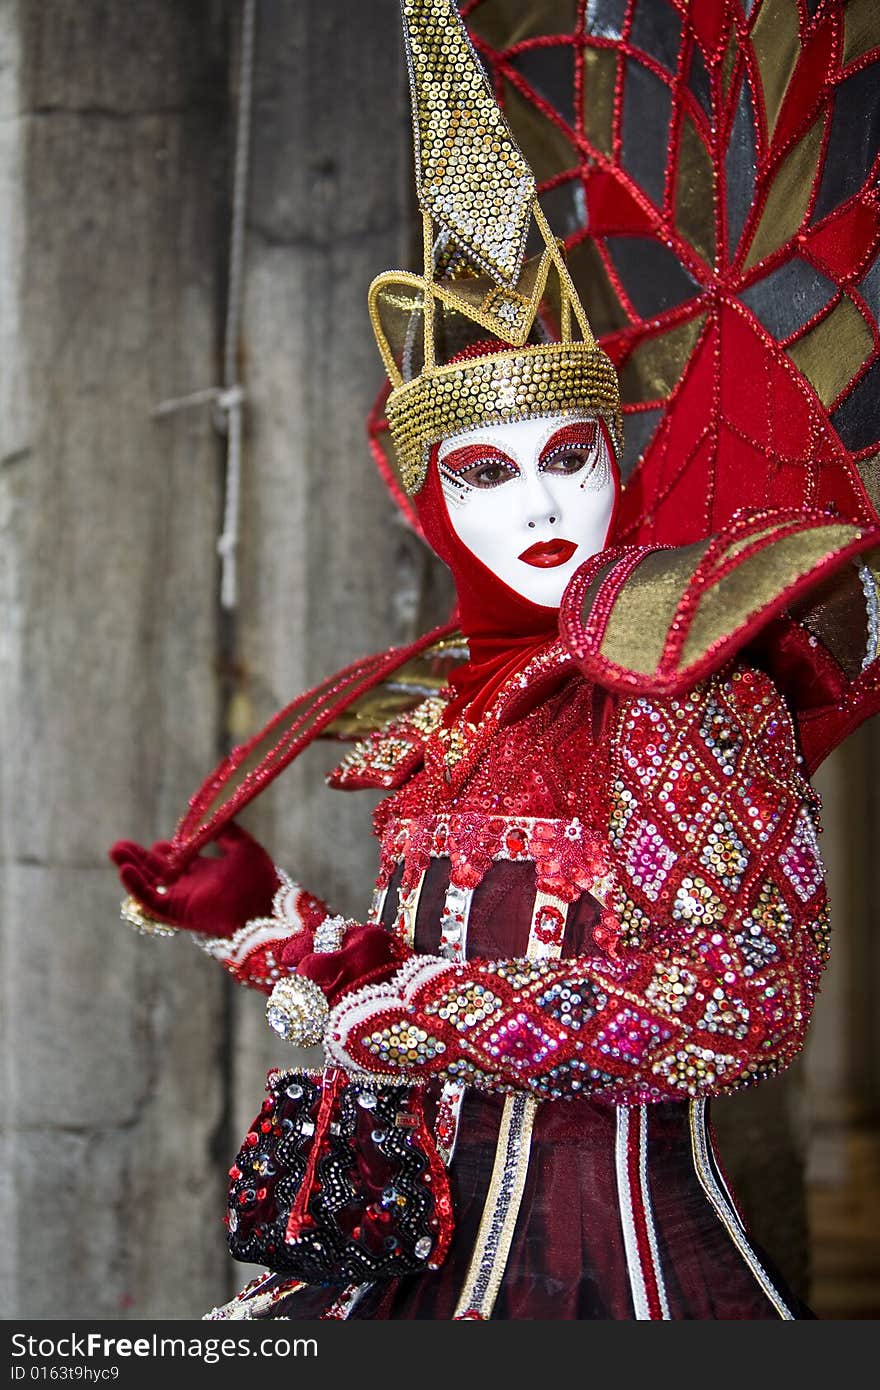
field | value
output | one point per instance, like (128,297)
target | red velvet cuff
(368,956)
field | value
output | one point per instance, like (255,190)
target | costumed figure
(600,899)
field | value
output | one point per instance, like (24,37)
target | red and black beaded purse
(339,1181)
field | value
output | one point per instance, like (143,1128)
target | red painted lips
(544,555)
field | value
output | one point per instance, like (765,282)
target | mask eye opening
(474,466)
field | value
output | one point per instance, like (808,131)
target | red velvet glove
(211,896)
(368,956)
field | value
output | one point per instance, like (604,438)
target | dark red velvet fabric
(214,896)
(568,1261)
(368,956)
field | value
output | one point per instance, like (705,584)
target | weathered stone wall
(112,1085)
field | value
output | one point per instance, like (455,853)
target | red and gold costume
(601,894)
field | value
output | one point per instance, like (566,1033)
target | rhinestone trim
(872,605)
(726,1214)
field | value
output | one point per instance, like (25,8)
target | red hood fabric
(503,630)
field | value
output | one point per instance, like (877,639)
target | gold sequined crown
(464,343)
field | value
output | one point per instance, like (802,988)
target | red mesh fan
(712,168)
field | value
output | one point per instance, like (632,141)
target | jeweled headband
(479,201)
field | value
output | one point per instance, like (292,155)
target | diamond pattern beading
(721,738)
(801,861)
(724,853)
(649,859)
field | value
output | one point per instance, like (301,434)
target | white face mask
(532,500)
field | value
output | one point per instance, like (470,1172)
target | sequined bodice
(547,764)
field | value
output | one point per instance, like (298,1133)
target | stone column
(112,147)
(842,1090)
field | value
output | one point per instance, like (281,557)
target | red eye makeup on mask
(570,448)
(478,465)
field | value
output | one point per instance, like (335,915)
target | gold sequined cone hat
(485,335)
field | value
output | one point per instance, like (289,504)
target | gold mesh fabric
(830,354)
(651,598)
(506,22)
(869,472)
(543,143)
(420,678)
(655,364)
(836,613)
(600,85)
(860,33)
(756,581)
(551,379)
(643,611)
(776,48)
(465,311)
(695,191)
(789,196)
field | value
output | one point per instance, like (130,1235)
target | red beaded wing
(712,166)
